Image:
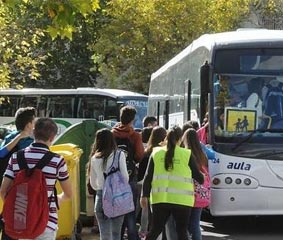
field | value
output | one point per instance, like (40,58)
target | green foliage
(142,35)
(19,55)
(269,13)
(113,43)
(61,14)
(31,59)
(68,63)
(225,15)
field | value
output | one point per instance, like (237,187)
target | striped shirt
(56,169)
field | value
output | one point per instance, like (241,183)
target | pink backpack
(117,193)
(202,191)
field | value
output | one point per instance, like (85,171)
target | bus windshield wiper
(270,153)
(258,130)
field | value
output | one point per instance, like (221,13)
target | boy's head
(45,129)
(146,131)
(23,117)
(149,121)
(127,114)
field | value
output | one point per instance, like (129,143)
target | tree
(269,13)
(62,14)
(19,55)
(68,63)
(29,56)
(118,43)
(141,35)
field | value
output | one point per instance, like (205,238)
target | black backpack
(4,162)
(126,146)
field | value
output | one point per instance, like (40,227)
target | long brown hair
(158,134)
(173,136)
(191,141)
(104,145)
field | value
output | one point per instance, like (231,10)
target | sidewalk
(88,235)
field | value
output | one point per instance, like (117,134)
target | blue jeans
(110,228)
(130,218)
(194,224)
(144,211)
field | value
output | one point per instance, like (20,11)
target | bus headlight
(228,180)
(247,181)
(216,181)
(238,181)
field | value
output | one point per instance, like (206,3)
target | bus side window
(8,106)
(53,110)
(41,107)
(60,106)
(49,107)
(85,108)
(29,102)
(111,109)
(58,110)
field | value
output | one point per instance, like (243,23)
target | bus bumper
(237,202)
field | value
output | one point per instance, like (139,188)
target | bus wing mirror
(204,78)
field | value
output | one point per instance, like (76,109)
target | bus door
(162,112)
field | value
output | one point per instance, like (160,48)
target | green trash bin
(82,135)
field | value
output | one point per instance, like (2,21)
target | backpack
(26,207)
(117,196)
(202,191)
(126,146)
(4,162)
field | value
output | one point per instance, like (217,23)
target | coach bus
(70,106)
(237,78)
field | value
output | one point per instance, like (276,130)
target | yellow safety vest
(174,186)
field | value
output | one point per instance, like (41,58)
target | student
(156,139)
(190,124)
(203,130)
(17,140)
(22,137)
(45,130)
(167,165)
(191,141)
(142,213)
(149,121)
(102,155)
(124,132)
(194,125)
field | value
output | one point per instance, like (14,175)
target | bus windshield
(245,103)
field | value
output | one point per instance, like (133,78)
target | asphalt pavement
(88,235)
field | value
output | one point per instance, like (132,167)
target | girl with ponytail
(168,182)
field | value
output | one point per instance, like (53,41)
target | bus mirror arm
(204,79)
(211,120)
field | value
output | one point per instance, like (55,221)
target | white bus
(237,77)
(69,106)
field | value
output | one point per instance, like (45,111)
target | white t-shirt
(96,170)
(254,102)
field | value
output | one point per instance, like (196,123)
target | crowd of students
(171,165)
